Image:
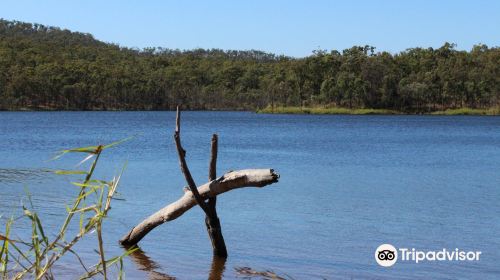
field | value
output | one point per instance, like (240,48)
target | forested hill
(45,67)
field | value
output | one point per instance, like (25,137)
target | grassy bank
(325,111)
(495,111)
(367,111)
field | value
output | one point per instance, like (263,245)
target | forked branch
(208,191)
(229,181)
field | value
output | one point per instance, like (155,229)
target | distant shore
(495,111)
(369,111)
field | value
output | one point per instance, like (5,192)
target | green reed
(36,257)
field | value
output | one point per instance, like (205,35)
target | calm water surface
(348,184)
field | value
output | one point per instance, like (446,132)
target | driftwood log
(229,181)
(205,196)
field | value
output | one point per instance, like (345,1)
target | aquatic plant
(36,257)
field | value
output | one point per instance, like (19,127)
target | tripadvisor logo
(387,255)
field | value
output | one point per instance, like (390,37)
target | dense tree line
(45,67)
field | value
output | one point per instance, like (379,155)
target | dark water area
(348,184)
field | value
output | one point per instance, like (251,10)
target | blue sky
(293,28)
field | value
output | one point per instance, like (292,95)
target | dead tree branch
(209,191)
(229,181)
(211,219)
(182,161)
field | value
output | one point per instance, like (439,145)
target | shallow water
(348,184)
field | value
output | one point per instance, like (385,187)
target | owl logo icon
(386,255)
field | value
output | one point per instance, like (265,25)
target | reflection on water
(249,273)
(217,269)
(14,175)
(146,264)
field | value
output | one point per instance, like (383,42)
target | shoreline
(495,111)
(291,110)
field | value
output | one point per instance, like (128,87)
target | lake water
(348,184)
